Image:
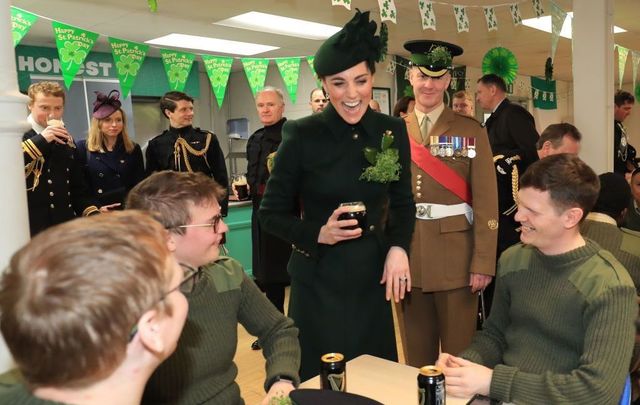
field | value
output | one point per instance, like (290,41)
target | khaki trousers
(430,320)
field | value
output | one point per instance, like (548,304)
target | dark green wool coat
(337,301)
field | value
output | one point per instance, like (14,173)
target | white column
(593,85)
(13,215)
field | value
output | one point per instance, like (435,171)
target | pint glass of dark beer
(333,372)
(240,185)
(357,211)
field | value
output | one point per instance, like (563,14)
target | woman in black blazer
(112,163)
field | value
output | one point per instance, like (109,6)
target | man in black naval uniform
(624,155)
(56,189)
(513,136)
(184,148)
(270,253)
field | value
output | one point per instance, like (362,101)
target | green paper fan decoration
(502,62)
(637,91)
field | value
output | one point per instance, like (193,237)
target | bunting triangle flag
(177,65)
(128,57)
(218,69)
(21,22)
(290,71)
(256,71)
(74,45)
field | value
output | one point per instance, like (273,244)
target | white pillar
(13,215)
(593,80)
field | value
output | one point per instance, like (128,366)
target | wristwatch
(282,378)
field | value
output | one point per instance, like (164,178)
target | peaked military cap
(433,58)
(356,42)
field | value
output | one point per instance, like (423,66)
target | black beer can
(431,390)
(333,372)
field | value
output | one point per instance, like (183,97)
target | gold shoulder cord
(35,166)
(182,146)
(514,183)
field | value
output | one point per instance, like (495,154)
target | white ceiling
(132,20)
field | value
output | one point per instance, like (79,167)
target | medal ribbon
(439,171)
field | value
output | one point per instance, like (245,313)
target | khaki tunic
(444,251)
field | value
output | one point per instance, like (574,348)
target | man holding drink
(56,190)
(270,253)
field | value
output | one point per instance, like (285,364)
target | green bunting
(310,60)
(290,71)
(218,69)
(543,93)
(256,71)
(128,57)
(74,44)
(21,22)
(177,65)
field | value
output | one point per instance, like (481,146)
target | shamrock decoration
(127,66)
(384,163)
(72,53)
(502,62)
(177,75)
(637,91)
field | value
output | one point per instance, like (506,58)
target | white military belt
(439,211)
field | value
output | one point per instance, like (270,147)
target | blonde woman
(112,162)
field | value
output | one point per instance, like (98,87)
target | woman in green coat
(342,279)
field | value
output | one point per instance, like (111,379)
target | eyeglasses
(190,278)
(213,224)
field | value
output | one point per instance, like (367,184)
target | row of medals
(452,146)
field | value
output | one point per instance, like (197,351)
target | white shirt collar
(433,115)
(36,127)
(498,105)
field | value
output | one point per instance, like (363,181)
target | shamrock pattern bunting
(428,16)
(177,65)
(387,10)
(345,3)
(74,44)
(537,7)
(218,69)
(462,20)
(515,14)
(490,17)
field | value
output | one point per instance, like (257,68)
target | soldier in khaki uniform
(454,186)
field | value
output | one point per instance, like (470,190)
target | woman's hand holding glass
(334,230)
(396,274)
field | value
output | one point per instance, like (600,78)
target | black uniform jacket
(160,156)
(110,175)
(61,193)
(270,253)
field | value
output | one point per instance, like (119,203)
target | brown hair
(167,195)
(569,181)
(555,132)
(170,101)
(95,137)
(402,105)
(70,297)
(46,88)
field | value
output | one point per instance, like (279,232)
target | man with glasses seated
(202,371)
(89,310)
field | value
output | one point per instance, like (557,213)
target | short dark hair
(614,195)
(167,196)
(570,182)
(555,132)
(170,99)
(402,105)
(623,97)
(492,79)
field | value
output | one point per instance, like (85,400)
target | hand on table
(278,389)
(333,231)
(464,378)
(479,282)
(396,274)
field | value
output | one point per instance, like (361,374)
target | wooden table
(383,380)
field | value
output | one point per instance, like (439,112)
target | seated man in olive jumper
(562,325)
(89,309)
(202,371)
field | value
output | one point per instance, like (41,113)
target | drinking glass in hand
(357,211)
(240,185)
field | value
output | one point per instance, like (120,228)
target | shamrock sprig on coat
(384,163)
